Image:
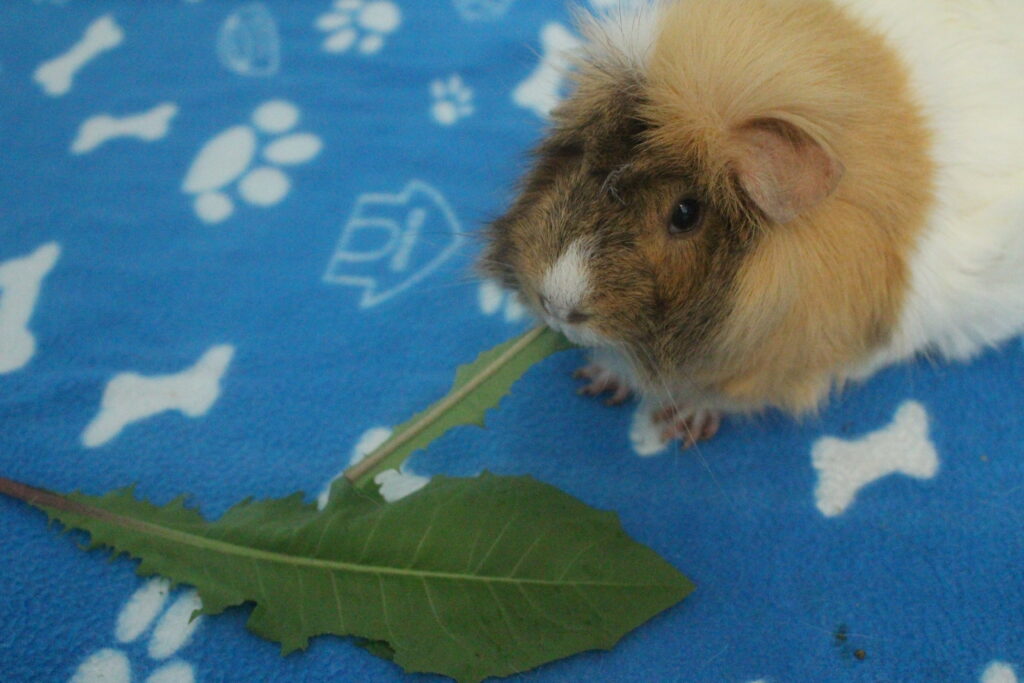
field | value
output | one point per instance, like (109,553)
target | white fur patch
(966,64)
(646,435)
(623,29)
(567,283)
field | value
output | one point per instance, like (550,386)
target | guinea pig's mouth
(573,324)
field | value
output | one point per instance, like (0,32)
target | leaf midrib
(358,472)
(223,547)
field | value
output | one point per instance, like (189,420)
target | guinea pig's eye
(686,217)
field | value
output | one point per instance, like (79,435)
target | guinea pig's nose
(572,316)
(576,317)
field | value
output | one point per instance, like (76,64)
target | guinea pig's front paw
(601,380)
(654,428)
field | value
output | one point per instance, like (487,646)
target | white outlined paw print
(453,100)
(169,628)
(494,300)
(229,156)
(362,24)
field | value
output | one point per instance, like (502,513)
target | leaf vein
(342,624)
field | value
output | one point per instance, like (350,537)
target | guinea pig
(747,203)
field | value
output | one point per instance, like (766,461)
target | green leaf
(468,577)
(478,387)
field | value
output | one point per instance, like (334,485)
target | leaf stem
(30,494)
(42,498)
(362,470)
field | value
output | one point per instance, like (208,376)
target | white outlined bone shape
(845,467)
(20,282)
(149,125)
(542,90)
(390,265)
(130,397)
(57,75)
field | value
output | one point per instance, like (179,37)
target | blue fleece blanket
(235,246)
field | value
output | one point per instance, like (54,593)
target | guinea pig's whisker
(501,266)
(670,398)
(465,234)
(609,187)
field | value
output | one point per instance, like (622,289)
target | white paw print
(495,300)
(167,636)
(229,155)
(453,100)
(359,23)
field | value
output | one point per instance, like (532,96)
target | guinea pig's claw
(697,426)
(622,393)
(664,415)
(600,381)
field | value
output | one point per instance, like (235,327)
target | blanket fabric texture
(236,246)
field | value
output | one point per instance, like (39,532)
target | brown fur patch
(817,294)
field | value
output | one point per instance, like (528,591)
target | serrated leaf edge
(363,472)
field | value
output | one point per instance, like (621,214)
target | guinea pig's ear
(782,169)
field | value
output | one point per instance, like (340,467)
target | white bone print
(542,90)
(20,282)
(845,467)
(57,75)
(149,125)
(130,397)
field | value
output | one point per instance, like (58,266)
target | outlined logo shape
(394,241)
